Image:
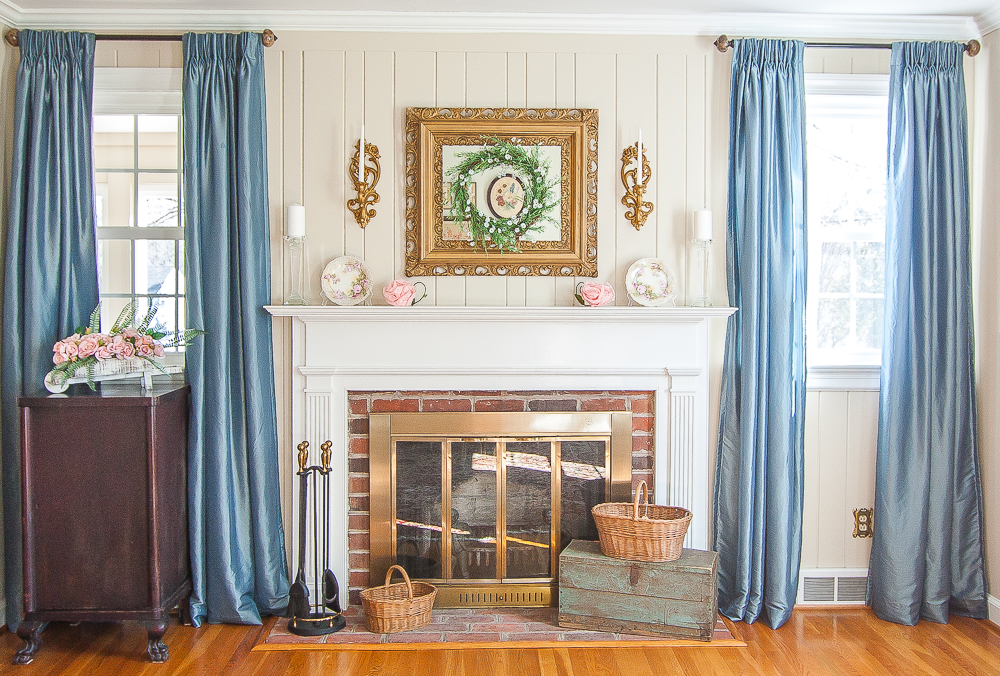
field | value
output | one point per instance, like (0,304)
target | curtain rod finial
(268,37)
(723,44)
(973,47)
(11,37)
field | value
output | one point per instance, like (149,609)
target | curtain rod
(723,44)
(267,37)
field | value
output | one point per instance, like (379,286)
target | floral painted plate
(650,282)
(347,281)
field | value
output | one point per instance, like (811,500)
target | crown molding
(801,26)
(989,20)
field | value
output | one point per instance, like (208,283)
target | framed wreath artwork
(501,191)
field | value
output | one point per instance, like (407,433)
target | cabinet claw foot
(156,648)
(30,633)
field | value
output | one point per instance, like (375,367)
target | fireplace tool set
(323,614)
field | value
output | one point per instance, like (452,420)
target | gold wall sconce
(635,178)
(365,171)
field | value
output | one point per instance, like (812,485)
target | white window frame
(847,94)
(133,92)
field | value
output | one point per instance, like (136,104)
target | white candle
(638,158)
(361,156)
(703,225)
(295,222)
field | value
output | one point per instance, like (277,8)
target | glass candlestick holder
(295,262)
(703,300)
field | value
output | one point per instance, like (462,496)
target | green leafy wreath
(540,196)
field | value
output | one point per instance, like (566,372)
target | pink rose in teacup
(399,293)
(595,295)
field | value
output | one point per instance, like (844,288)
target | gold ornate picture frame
(437,139)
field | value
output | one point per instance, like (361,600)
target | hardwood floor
(814,642)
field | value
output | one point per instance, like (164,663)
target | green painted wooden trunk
(676,599)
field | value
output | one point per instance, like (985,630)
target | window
(847,137)
(138,193)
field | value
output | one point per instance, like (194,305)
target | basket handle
(644,492)
(406,579)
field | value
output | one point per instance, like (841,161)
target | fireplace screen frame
(385,429)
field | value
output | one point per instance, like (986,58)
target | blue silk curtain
(758,477)
(927,553)
(50,273)
(237,543)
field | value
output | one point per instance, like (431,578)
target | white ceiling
(969,8)
(807,19)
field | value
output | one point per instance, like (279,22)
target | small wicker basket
(657,536)
(398,607)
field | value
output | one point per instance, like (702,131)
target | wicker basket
(398,607)
(657,535)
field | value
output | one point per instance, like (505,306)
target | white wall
(8,66)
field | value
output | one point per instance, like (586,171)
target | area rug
(481,627)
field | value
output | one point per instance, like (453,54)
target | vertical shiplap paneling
(566,98)
(291,157)
(354,115)
(323,153)
(450,92)
(675,173)
(810,501)
(540,93)
(836,60)
(862,439)
(516,98)
(870,61)
(637,109)
(486,86)
(697,188)
(832,450)
(380,233)
(414,86)
(595,88)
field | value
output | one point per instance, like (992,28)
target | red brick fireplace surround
(641,404)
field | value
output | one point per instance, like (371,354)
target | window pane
(835,268)
(114,266)
(834,323)
(113,192)
(158,141)
(110,309)
(158,201)
(165,320)
(871,267)
(180,268)
(870,322)
(113,142)
(155,266)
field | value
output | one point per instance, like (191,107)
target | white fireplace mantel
(336,350)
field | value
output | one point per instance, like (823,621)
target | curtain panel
(927,552)
(50,273)
(237,543)
(759,476)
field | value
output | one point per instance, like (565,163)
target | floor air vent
(817,589)
(852,589)
(837,586)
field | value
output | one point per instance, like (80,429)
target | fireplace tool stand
(323,615)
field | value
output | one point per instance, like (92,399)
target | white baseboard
(994,606)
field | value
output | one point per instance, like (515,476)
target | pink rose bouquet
(594,294)
(401,293)
(88,347)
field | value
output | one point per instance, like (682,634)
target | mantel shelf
(432,313)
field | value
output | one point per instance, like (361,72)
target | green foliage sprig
(540,194)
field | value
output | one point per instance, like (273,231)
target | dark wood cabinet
(104,490)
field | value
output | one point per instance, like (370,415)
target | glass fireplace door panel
(474,510)
(583,484)
(528,509)
(418,476)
